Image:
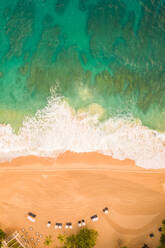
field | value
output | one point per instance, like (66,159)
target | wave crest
(58,128)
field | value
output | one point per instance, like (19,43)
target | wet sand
(76,186)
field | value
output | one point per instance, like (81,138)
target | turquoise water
(83,75)
(114,49)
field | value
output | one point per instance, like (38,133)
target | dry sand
(76,186)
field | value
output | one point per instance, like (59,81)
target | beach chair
(32,215)
(151,235)
(94,218)
(67,225)
(70,225)
(48,224)
(60,225)
(83,223)
(56,226)
(79,223)
(31,218)
(105,210)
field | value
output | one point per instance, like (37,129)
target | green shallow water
(107,52)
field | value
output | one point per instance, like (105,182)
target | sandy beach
(76,186)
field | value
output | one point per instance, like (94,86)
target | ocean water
(83,75)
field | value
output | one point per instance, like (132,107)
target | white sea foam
(57,128)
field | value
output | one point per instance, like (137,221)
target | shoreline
(75,161)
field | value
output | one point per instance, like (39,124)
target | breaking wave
(58,128)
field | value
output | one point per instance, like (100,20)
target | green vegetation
(162,237)
(48,240)
(86,238)
(163,226)
(2,236)
(14,244)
